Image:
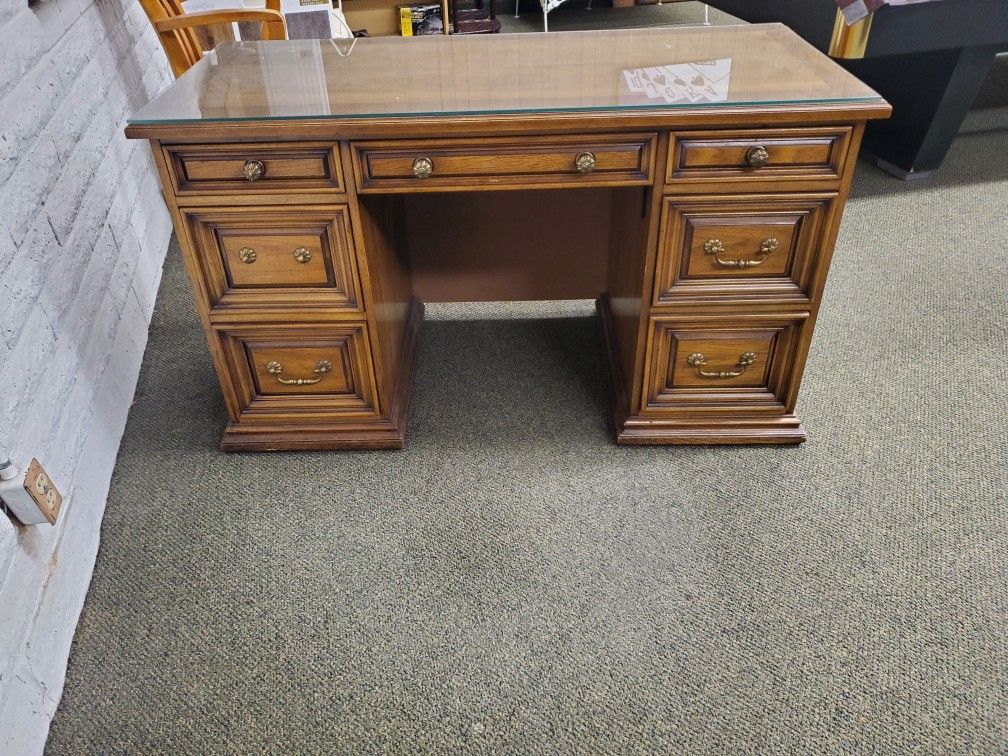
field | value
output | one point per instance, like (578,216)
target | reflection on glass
(680,83)
(665,67)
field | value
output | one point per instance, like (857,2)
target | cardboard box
(417,20)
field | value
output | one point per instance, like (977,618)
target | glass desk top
(438,75)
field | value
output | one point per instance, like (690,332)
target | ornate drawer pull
(757,157)
(247,255)
(585,162)
(423,167)
(253,170)
(275,369)
(716,248)
(697,360)
(302,254)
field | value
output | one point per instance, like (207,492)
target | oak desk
(319,197)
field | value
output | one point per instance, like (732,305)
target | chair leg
(545,21)
(516,8)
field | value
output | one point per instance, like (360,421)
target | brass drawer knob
(275,369)
(302,254)
(716,248)
(253,170)
(757,157)
(697,360)
(423,167)
(247,255)
(585,162)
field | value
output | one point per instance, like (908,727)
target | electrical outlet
(43,491)
(33,499)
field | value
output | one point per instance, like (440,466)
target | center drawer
(457,164)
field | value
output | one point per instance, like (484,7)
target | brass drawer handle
(716,248)
(757,157)
(247,255)
(697,360)
(585,162)
(423,167)
(275,369)
(302,254)
(253,170)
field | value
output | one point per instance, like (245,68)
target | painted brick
(23,279)
(23,49)
(83,231)
(72,53)
(64,201)
(27,108)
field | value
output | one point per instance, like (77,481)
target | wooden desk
(315,196)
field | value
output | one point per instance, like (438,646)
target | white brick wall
(83,232)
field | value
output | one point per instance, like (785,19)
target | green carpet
(512,582)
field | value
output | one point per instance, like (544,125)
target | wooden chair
(175,27)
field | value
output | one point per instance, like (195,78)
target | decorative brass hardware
(302,254)
(697,360)
(585,162)
(247,255)
(253,170)
(716,248)
(757,157)
(423,167)
(275,369)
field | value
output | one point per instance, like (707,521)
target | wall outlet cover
(43,491)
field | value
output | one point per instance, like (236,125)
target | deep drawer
(728,363)
(316,371)
(456,164)
(713,246)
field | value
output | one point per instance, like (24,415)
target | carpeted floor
(513,582)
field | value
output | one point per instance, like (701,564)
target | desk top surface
(612,70)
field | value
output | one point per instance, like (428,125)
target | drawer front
(433,165)
(295,167)
(317,370)
(758,155)
(270,257)
(728,364)
(737,246)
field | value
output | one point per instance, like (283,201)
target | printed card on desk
(677,83)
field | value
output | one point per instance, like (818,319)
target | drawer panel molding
(457,164)
(728,364)
(319,371)
(254,168)
(751,156)
(741,247)
(277,257)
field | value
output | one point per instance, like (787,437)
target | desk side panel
(384,262)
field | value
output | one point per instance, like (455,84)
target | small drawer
(739,246)
(757,155)
(727,363)
(295,167)
(315,371)
(445,165)
(277,257)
